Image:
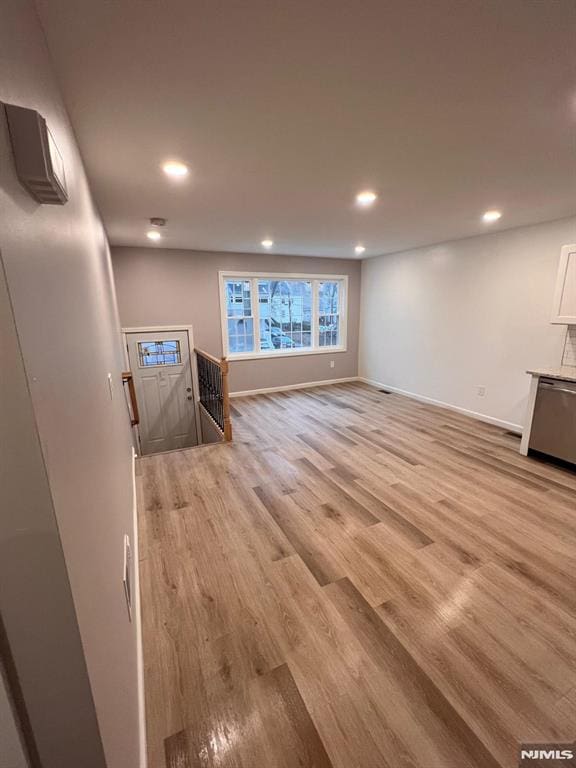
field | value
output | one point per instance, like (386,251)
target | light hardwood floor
(358,581)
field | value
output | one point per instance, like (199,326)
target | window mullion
(255,313)
(315,309)
(342,302)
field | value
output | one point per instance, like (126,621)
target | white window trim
(224,275)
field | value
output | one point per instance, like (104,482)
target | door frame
(193,368)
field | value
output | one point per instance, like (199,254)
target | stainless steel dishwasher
(554,422)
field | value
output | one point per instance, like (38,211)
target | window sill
(285,353)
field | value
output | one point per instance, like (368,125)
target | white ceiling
(284,109)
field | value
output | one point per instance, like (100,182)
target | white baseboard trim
(143,750)
(286,387)
(464,411)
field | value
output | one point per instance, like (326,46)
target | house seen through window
(271,314)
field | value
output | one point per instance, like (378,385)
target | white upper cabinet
(564,309)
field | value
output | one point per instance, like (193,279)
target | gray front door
(160,364)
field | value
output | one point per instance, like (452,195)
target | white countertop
(564,372)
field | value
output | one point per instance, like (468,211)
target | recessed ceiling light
(366,198)
(359,250)
(267,243)
(153,235)
(175,169)
(490,216)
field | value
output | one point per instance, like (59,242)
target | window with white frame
(268,315)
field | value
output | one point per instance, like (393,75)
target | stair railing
(214,391)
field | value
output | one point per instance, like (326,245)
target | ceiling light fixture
(359,250)
(267,243)
(491,216)
(153,234)
(366,198)
(175,169)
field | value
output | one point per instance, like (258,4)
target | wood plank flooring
(358,581)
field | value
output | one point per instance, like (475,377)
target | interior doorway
(160,360)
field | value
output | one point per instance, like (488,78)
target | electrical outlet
(331,363)
(481,390)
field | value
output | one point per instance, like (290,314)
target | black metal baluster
(211,389)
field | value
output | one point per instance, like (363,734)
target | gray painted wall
(441,320)
(66,446)
(12,749)
(158,286)
(36,606)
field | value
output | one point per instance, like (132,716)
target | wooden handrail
(208,356)
(226,426)
(128,378)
